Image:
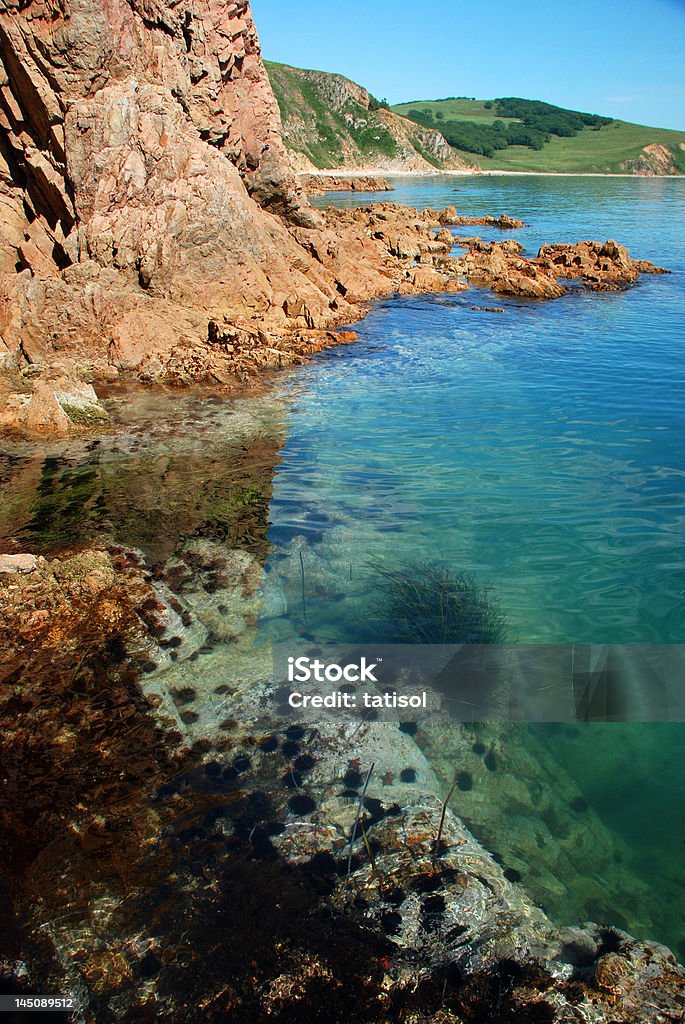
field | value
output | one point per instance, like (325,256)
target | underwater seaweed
(430,603)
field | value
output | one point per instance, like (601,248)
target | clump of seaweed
(430,603)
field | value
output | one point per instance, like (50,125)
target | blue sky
(625,59)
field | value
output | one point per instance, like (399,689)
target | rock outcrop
(319,184)
(145,195)
(501,267)
(504,222)
(653,160)
(601,266)
(138,141)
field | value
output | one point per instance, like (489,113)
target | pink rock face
(137,134)
(202,54)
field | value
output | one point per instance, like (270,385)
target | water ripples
(540,447)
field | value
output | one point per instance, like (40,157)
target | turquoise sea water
(539,448)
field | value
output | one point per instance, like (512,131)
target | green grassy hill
(602,145)
(331,122)
(461,109)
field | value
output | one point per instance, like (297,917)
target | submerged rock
(56,409)
(197,826)
(10,564)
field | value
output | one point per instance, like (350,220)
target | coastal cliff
(148,206)
(140,146)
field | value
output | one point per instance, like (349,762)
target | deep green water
(539,448)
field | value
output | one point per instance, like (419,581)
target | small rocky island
(162,860)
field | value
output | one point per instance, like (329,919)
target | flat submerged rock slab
(10,564)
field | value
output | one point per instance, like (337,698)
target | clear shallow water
(540,448)
(176,465)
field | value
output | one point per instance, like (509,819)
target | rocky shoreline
(160,796)
(320,184)
(371,251)
(175,243)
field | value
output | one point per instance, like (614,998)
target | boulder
(503,221)
(55,409)
(43,413)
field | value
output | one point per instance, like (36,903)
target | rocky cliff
(133,137)
(145,193)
